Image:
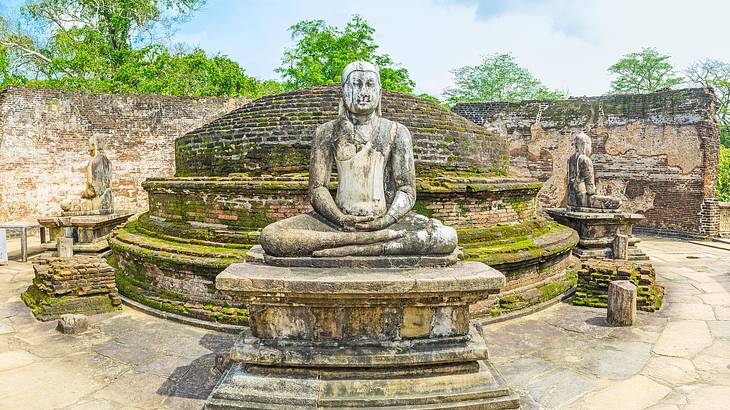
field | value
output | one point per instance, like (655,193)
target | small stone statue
(97,198)
(581,181)
(371,212)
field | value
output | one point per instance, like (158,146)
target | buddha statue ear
(341,109)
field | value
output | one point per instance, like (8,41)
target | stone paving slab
(563,357)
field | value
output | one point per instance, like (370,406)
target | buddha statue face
(361,89)
(92,147)
(583,144)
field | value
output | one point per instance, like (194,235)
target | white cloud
(567,44)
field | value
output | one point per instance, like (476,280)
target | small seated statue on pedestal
(581,181)
(97,198)
(371,212)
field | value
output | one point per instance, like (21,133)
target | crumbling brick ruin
(657,152)
(80,284)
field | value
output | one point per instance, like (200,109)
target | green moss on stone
(422,208)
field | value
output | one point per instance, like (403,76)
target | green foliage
(497,78)
(322,52)
(725,136)
(643,72)
(192,73)
(723,175)
(112,46)
(431,98)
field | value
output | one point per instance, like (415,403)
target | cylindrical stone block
(3,247)
(65,247)
(621,303)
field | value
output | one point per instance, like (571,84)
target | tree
(497,78)
(114,46)
(715,74)
(643,72)
(94,38)
(322,52)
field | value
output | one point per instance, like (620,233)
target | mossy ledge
(174,276)
(177,275)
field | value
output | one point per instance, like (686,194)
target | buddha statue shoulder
(371,213)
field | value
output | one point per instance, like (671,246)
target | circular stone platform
(248,169)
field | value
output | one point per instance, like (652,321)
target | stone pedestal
(89,232)
(360,335)
(603,234)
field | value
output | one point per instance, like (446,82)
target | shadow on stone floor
(197,379)
(599,321)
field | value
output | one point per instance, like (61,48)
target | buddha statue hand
(349,223)
(376,224)
(89,193)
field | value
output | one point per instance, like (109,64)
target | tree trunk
(621,303)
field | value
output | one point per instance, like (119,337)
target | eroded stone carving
(581,179)
(371,213)
(97,198)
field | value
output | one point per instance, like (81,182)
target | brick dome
(272,135)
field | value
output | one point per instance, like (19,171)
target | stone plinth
(360,337)
(89,232)
(601,232)
(79,284)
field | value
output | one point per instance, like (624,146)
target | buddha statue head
(360,89)
(93,146)
(583,144)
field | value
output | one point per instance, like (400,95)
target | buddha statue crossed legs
(371,214)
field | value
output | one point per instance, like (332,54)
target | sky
(567,44)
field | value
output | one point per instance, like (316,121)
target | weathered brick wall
(658,152)
(44,134)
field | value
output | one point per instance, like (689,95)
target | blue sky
(568,44)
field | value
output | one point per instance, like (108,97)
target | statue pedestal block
(360,337)
(603,234)
(89,232)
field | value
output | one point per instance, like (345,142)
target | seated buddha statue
(371,213)
(97,197)
(581,180)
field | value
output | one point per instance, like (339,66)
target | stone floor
(562,357)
